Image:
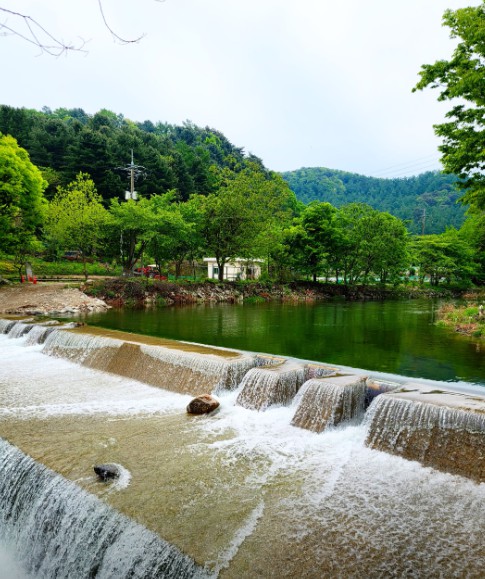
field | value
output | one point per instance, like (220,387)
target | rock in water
(202,404)
(107,471)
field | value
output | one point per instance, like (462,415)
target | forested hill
(429,199)
(64,142)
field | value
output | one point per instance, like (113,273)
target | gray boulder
(107,471)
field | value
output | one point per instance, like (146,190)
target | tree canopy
(22,203)
(461,80)
(76,219)
(425,202)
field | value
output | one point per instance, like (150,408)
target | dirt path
(46,298)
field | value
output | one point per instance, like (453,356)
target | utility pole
(423,223)
(134,172)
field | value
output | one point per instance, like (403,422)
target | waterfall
(38,334)
(178,370)
(59,530)
(267,360)
(19,329)
(7,325)
(263,387)
(325,402)
(377,387)
(444,430)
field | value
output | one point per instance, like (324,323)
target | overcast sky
(299,83)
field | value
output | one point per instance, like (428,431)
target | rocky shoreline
(61,298)
(121,292)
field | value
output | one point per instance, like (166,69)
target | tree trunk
(178,269)
(220,265)
(85,268)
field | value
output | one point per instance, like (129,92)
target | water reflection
(396,337)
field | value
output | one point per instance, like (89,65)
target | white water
(263,387)
(358,511)
(326,403)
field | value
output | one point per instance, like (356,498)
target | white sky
(299,83)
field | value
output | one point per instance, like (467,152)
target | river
(392,337)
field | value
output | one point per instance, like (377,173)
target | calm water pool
(397,337)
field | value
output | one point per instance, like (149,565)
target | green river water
(395,337)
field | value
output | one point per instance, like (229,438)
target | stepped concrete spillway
(325,402)
(263,387)
(309,487)
(439,428)
(176,366)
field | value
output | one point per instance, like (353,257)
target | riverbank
(468,318)
(76,297)
(47,299)
(119,292)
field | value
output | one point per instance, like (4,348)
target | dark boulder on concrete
(203,404)
(107,471)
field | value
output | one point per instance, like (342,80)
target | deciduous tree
(22,203)
(461,80)
(77,218)
(233,217)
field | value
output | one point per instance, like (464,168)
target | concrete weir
(237,493)
(175,366)
(325,402)
(441,429)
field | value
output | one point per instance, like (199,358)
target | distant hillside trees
(64,142)
(200,196)
(427,202)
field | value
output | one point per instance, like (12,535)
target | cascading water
(325,402)
(7,325)
(319,371)
(59,530)
(19,329)
(177,370)
(241,493)
(445,430)
(263,387)
(38,334)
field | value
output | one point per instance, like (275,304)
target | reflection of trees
(34,32)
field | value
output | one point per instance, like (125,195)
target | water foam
(59,530)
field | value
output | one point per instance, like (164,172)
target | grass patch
(254,300)
(468,319)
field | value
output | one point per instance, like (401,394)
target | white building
(236,269)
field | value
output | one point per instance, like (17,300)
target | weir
(67,532)
(263,387)
(189,369)
(238,493)
(441,429)
(325,402)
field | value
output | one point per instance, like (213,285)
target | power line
(408,165)
(429,166)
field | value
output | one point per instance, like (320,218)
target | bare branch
(30,30)
(113,33)
(35,33)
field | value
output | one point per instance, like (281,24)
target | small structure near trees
(235,269)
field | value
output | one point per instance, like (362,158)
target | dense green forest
(64,142)
(427,203)
(63,177)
